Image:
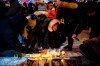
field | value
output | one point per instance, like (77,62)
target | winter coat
(10,29)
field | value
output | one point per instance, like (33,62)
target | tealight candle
(63,52)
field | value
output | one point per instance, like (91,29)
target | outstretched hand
(74,36)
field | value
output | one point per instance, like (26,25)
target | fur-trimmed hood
(41,12)
(52,22)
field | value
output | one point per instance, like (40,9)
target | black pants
(70,42)
(69,31)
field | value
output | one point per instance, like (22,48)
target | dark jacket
(72,19)
(9,30)
(56,38)
(3,9)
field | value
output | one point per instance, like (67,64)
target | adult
(10,28)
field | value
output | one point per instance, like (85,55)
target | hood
(41,12)
(52,22)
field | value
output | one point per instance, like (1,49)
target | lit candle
(50,61)
(63,62)
(63,52)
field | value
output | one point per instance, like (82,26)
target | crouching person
(34,31)
(29,33)
(53,37)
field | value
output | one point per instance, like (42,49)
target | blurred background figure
(25,8)
(31,8)
(51,11)
(93,18)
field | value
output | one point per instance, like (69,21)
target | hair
(33,17)
(41,18)
(55,24)
(50,2)
(11,1)
(25,4)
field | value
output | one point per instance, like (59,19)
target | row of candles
(49,55)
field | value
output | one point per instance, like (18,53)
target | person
(51,11)
(30,32)
(31,8)
(42,7)
(10,28)
(42,24)
(34,31)
(68,11)
(53,37)
(90,49)
(93,18)
(24,8)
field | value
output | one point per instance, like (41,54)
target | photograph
(34,28)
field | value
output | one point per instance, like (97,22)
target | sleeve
(78,28)
(71,5)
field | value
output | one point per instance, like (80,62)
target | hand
(62,20)
(24,36)
(74,36)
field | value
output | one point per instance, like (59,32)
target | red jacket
(51,14)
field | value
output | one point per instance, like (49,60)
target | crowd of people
(47,25)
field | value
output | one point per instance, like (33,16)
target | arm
(77,31)
(71,5)
(25,32)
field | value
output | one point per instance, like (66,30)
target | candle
(63,62)
(50,61)
(63,52)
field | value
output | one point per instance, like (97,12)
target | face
(55,27)
(33,6)
(50,6)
